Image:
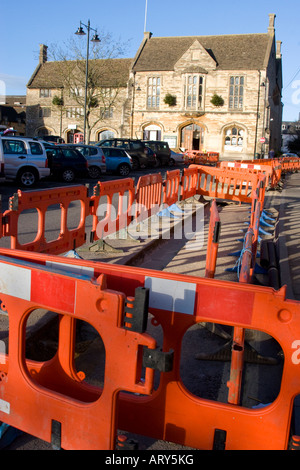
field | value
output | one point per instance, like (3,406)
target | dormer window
(193,92)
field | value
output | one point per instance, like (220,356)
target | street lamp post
(95,39)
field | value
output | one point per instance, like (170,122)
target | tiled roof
(243,51)
(110,72)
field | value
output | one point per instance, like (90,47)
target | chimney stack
(271,28)
(278,49)
(43,54)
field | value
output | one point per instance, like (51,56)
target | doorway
(192,137)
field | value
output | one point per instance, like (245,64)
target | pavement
(186,255)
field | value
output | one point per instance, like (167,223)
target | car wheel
(124,169)
(68,175)
(94,172)
(27,177)
(171,162)
(135,164)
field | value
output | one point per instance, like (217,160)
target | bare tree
(108,74)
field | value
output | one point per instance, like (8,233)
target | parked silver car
(23,159)
(95,158)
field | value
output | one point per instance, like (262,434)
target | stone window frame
(45,92)
(45,112)
(234,134)
(194,83)
(236,92)
(74,112)
(154,83)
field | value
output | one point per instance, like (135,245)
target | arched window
(152,132)
(234,138)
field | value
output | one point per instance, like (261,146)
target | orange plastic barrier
(290,164)
(148,196)
(50,399)
(251,167)
(213,240)
(275,165)
(177,303)
(219,183)
(41,200)
(124,191)
(199,158)
(171,187)
(188,183)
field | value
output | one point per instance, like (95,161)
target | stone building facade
(216,93)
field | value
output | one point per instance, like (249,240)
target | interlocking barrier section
(50,399)
(102,204)
(290,164)
(41,201)
(251,167)
(170,412)
(275,165)
(200,158)
(148,196)
(222,184)
(171,187)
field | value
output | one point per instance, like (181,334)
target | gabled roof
(230,52)
(110,72)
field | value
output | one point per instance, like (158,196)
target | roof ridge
(208,36)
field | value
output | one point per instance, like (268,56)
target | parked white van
(23,159)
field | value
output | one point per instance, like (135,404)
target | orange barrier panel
(41,200)
(50,399)
(125,192)
(188,183)
(275,165)
(213,240)
(219,183)
(177,303)
(171,187)
(148,196)
(252,168)
(199,158)
(290,164)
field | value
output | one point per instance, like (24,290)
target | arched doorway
(152,132)
(106,134)
(74,136)
(192,137)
